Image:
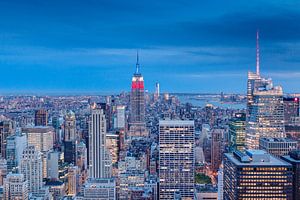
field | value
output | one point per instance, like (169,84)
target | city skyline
(49,46)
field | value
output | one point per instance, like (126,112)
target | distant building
(266,114)
(294,159)
(52,165)
(277,146)
(70,151)
(217,149)
(16,144)
(120,117)
(57,189)
(31,167)
(3,171)
(97,145)
(252,175)
(112,145)
(137,126)
(15,187)
(176,141)
(291,109)
(237,132)
(41,118)
(70,127)
(157,92)
(73,180)
(41,137)
(6,129)
(100,189)
(220,183)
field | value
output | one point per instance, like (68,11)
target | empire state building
(137,127)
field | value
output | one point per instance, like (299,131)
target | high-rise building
(137,105)
(256,175)
(157,92)
(41,137)
(294,159)
(277,146)
(112,145)
(266,118)
(70,126)
(15,187)
(101,189)
(41,117)
(97,145)
(52,165)
(81,156)
(73,180)
(70,137)
(6,129)
(70,151)
(31,167)
(265,110)
(3,170)
(16,144)
(237,132)
(217,148)
(291,109)
(120,117)
(220,183)
(176,159)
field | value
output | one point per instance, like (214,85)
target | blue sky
(87,46)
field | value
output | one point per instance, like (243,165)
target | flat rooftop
(257,154)
(177,122)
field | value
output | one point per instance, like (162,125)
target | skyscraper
(41,137)
(237,132)
(97,144)
(6,129)
(294,159)
(217,148)
(70,126)
(256,175)
(120,117)
(157,92)
(31,167)
(253,78)
(41,117)
(176,159)
(291,109)
(265,116)
(16,144)
(3,170)
(137,104)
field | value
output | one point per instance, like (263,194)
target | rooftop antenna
(137,63)
(257,52)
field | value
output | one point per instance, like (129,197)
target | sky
(89,46)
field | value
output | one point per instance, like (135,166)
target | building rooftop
(255,157)
(294,156)
(278,140)
(176,122)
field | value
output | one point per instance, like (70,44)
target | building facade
(277,146)
(256,175)
(176,159)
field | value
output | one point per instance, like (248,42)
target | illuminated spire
(257,52)
(137,70)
